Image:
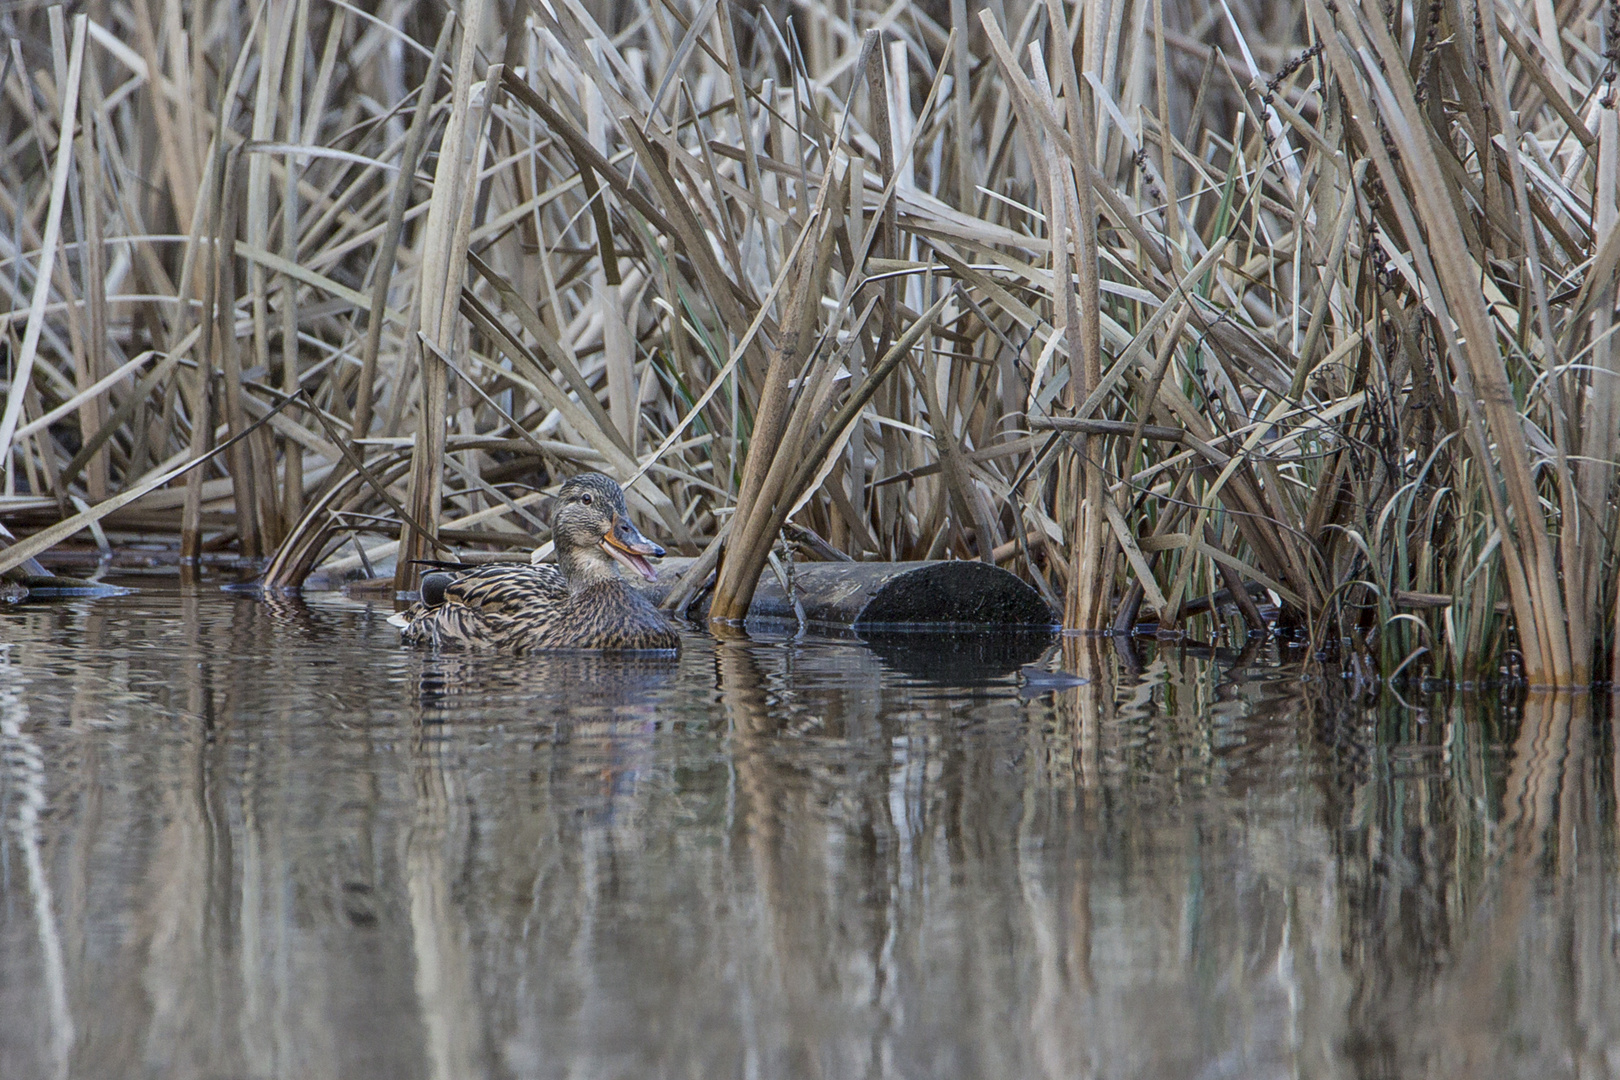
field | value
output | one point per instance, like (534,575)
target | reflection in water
(243,839)
(958,658)
(25,773)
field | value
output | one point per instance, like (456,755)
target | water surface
(249,839)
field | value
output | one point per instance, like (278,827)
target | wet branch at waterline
(1139,302)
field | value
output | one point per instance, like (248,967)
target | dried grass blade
(382,271)
(48,538)
(22,370)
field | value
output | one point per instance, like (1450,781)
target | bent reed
(1140,300)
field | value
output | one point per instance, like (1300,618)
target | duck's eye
(586,499)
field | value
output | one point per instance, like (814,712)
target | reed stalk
(1315,298)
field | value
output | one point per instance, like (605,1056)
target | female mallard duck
(581,603)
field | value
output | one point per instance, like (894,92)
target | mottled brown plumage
(581,603)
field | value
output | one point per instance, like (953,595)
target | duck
(581,602)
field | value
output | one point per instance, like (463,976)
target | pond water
(251,839)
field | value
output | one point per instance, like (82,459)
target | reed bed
(1312,302)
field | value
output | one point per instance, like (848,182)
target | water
(262,840)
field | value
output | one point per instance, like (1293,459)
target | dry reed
(1127,296)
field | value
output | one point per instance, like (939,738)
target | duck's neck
(584,567)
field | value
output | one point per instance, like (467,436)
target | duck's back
(480,607)
(497,587)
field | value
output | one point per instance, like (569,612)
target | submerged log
(53,587)
(862,595)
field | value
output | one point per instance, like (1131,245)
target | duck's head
(591,529)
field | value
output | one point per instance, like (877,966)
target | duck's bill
(631,560)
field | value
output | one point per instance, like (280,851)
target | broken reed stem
(382,278)
(745,552)
(442,272)
(230,365)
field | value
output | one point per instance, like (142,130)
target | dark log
(52,587)
(861,595)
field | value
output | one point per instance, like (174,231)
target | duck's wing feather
(505,587)
(484,605)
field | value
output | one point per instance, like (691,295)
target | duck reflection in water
(609,710)
(561,687)
(581,603)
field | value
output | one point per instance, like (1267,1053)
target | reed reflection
(1548,875)
(439,831)
(268,841)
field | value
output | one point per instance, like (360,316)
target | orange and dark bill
(627,546)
